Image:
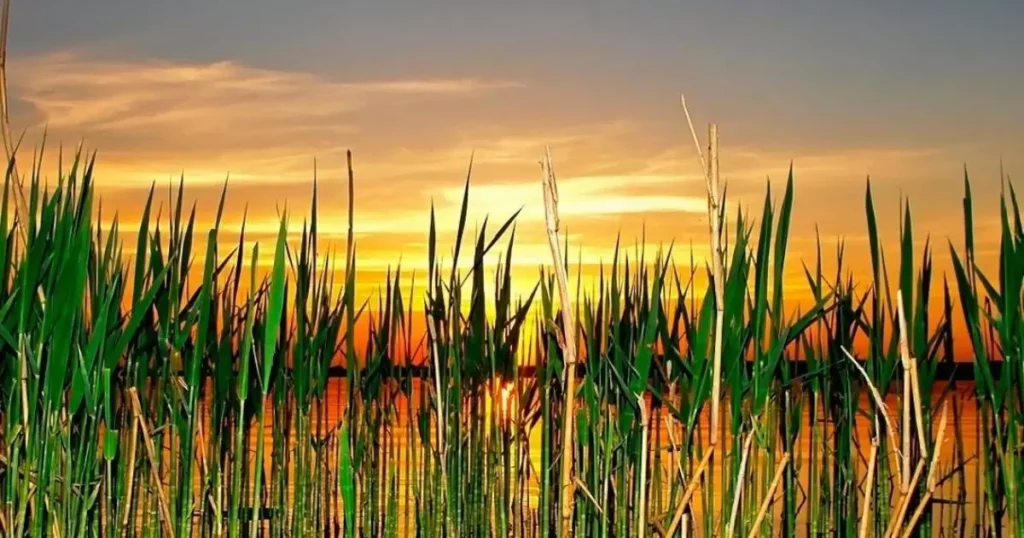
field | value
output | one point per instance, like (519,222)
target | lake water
(396,435)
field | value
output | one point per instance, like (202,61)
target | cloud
(73,91)
(159,112)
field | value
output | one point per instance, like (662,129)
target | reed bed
(175,392)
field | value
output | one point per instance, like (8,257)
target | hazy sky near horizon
(905,92)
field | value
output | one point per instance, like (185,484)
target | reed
(188,386)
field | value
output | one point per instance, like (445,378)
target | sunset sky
(906,92)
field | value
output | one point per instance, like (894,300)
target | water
(394,439)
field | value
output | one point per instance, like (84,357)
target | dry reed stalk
(641,524)
(718,264)
(715,212)
(161,495)
(911,365)
(21,205)
(908,400)
(130,489)
(763,512)
(925,500)
(104,519)
(940,437)
(550,186)
(201,454)
(904,502)
(714,193)
(882,410)
(589,496)
(739,487)
(675,445)
(869,485)
(933,468)
(690,490)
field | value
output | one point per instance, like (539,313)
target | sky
(257,91)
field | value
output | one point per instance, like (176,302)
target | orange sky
(415,108)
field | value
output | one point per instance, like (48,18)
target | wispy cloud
(72,91)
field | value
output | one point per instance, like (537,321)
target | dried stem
(21,205)
(715,212)
(690,490)
(739,487)
(641,524)
(901,507)
(161,495)
(589,496)
(908,402)
(718,266)
(869,485)
(882,410)
(677,462)
(550,186)
(910,363)
(763,512)
(940,437)
(130,487)
(933,468)
(715,220)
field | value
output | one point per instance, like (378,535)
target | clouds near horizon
(152,119)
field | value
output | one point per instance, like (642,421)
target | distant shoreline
(955,371)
